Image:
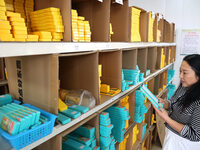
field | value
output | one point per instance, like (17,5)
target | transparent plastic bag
(78,97)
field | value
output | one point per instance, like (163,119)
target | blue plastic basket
(27,137)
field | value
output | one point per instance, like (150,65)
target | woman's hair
(193,93)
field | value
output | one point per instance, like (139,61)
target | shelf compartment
(65,8)
(142,60)
(151,59)
(98,15)
(129,58)
(111,61)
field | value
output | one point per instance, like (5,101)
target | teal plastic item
(71,113)
(71,144)
(81,139)
(105,141)
(105,122)
(63,119)
(36,125)
(106,130)
(96,148)
(112,145)
(82,109)
(93,143)
(9,124)
(86,131)
(5,99)
(152,98)
(23,120)
(43,119)
(37,113)
(104,116)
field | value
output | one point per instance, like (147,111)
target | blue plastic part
(27,137)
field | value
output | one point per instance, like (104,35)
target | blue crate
(27,137)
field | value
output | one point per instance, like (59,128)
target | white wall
(184,13)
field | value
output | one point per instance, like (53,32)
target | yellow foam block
(5,39)
(42,34)
(6,35)
(50,9)
(45,40)
(3,17)
(2,32)
(2,8)
(12,14)
(49,30)
(73,11)
(56,40)
(105,88)
(21,28)
(2,3)
(16,19)
(61,105)
(33,36)
(20,36)
(57,36)
(81,18)
(5,27)
(32,40)
(52,14)
(20,39)
(19,32)
(36,22)
(22,24)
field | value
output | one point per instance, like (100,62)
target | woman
(183,119)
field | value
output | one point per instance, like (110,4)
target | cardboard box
(161,28)
(34,79)
(79,71)
(111,61)
(151,59)
(129,58)
(98,15)
(1,69)
(142,60)
(65,7)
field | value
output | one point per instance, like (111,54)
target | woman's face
(187,75)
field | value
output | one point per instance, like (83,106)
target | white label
(100,0)
(119,1)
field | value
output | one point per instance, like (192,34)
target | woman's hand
(162,113)
(165,103)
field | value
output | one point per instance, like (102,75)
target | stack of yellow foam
(81,29)
(135,133)
(135,25)
(170,52)
(29,7)
(48,20)
(124,102)
(143,147)
(43,35)
(111,31)
(162,58)
(2,10)
(19,7)
(32,38)
(19,29)
(150,31)
(122,145)
(100,75)
(74,25)
(153,119)
(9,5)
(87,31)
(107,90)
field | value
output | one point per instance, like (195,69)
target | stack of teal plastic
(83,138)
(118,115)
(141,77)
(15,118)
(5,99)
(171,89)
(170,75)
(106,139)
(140,108)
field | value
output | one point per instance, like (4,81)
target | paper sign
(190,41)
(119,2)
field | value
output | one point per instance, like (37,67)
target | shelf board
(99,108)
(131,126)
(3,82)
(12,49)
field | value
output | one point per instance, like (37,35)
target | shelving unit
(40,65)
